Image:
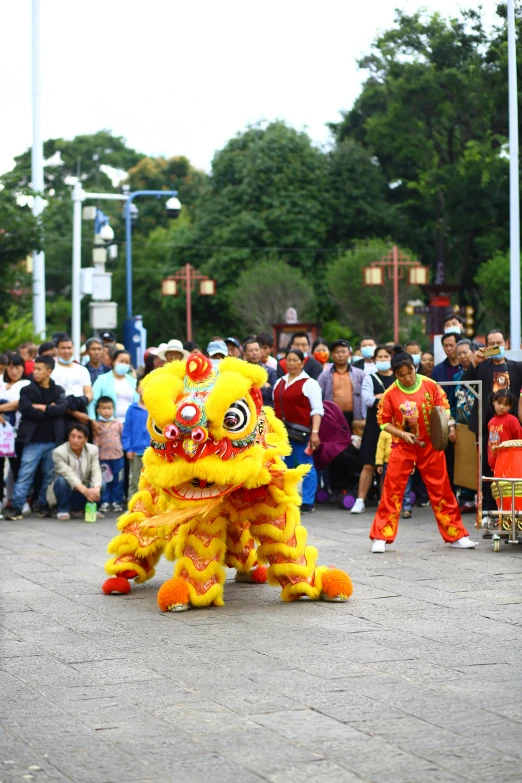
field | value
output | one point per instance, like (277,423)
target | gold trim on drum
(505,488)
(510,444)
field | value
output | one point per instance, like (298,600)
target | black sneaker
(13,513)
(307,508)
(43,510)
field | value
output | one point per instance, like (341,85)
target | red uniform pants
(431,465)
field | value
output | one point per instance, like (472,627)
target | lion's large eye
(237,416)
(156,429)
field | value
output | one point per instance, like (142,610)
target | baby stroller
(336,459)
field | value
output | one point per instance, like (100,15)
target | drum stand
(509,520)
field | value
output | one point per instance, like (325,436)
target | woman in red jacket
(404,412)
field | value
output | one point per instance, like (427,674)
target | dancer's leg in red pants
(431,465)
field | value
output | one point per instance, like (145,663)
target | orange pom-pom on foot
(173,595)
(336,585)
(260,575)
(116,584)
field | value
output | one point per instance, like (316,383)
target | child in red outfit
(503,426)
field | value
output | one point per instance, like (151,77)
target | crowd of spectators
(75,432)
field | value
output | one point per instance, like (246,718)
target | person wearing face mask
(495,373)
(373,387)
(453,324)
(301,342)
(74,380)
(118,384)
(415,350)
(367,347)
(320,352)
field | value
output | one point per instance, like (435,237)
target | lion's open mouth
(198,489)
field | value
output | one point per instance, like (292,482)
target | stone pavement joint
(417,678)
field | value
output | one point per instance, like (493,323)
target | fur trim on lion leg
(241,554)
(199,575)
(293,564)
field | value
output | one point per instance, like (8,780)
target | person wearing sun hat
(172,351)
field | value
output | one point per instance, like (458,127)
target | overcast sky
(179,78)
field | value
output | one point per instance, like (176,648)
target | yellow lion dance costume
(213,483)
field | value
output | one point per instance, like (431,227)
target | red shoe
(467,509)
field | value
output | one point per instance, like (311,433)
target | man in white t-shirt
(74,380)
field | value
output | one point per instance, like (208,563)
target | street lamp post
(79,195)
(188,276)
(514,205)
(37,176)
(395,262)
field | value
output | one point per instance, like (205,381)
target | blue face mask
(368,351)
(383,366)
(452,330)
(502,352)
(121,369)
(102,418)
(416,358)
(66,361)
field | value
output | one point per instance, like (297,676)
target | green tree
(433,111)
(366,309)
(19,235)
(493,281)
(92,157)
(264,293)
(357,194)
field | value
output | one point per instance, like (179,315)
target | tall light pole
(514,206)
(37,176)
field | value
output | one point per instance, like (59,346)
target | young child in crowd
(108,439)
(382,455)
(135,440)
(503,426)
(357,428)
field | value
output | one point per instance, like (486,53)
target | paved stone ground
(417,678)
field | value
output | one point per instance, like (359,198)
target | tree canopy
(420,160)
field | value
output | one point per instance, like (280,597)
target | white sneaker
(464,543)
(63,516)
(26,509)
(379,546)
(358,507)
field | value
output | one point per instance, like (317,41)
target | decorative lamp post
(188,276)
(395,262)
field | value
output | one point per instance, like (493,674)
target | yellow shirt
(384,445)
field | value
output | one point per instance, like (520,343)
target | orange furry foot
(173,595)
(260,574)
(336,585)
(257,576)
(116,584)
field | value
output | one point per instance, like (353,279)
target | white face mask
(452,330)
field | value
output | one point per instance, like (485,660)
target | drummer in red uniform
(404,412)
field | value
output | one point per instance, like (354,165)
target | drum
(439,429)
(508,465)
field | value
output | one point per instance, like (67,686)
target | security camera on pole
(95,281)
